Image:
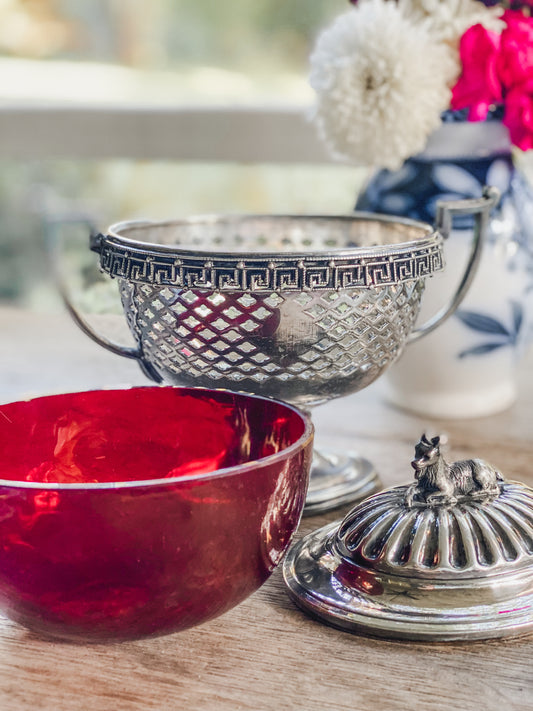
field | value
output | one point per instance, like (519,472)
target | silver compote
(302,308)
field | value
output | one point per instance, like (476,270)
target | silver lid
(460,540)
(448,557)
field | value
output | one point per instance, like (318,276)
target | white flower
(382,83)
(449,19)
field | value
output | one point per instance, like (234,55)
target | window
(133,55)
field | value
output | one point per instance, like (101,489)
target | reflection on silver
(423,567)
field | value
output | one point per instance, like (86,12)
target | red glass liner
(130,513)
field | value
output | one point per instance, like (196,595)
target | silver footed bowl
(321,315)
(301,308)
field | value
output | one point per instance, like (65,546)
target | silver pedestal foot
(339,478)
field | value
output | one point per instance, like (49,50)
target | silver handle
(55,250)
(480,209)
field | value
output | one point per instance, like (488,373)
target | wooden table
(265,654)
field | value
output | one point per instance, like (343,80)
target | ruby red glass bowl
(131,513)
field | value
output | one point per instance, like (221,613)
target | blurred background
(109,54)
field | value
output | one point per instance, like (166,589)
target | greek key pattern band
(251,272)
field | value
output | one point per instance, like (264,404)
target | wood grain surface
(265,654)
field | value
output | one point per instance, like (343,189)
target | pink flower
(515,61)
(519,114)
(479,86)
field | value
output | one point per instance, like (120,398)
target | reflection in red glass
(46,500)
(357,578)
(126,562)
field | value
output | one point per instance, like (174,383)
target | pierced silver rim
(332,269)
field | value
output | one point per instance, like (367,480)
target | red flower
(519,114)
(515,61)
(479,86)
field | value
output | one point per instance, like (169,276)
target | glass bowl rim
(305,438)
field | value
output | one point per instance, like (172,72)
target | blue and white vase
(466,368)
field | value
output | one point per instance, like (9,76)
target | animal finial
(434,440)
(438,482)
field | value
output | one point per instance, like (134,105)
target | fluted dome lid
(447,557)
(464,539)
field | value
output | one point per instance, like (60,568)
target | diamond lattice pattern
(238,336)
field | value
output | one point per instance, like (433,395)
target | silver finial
(438,482)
